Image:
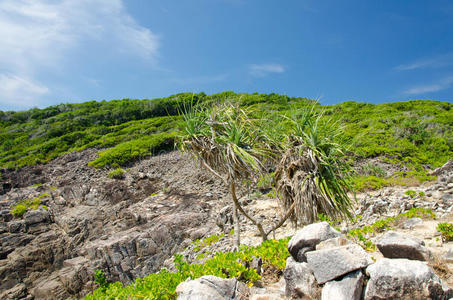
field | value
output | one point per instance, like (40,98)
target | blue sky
(79,50)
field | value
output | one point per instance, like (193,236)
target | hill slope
(415,133)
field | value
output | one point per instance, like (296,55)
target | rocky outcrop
(300,280)
(398,245)
(308,237)
(348,287)
(126,228)
(402,279)
(337,266)
(332,263)
(212,288)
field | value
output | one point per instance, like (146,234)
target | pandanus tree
(235,147)
(312,177)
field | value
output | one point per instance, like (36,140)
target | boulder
(300,281)
(412,222)
(333,243)
(19,291)
(449,255)
(348,288)
(308,237)
(402,279)
(399,245)
(211,288)
(36,216)
(332,263)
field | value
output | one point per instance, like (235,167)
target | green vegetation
(118,173)
(162,285)
(411,193)
(413,133)
(363,234)
(446,230)
(22,207)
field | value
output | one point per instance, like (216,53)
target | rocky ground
(132,227)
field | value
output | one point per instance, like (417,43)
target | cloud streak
(433,62)
(262,70)
(44,36)
(442,84)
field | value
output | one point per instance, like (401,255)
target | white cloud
(44,35)
(439,61)
(18,91)
(442,84)
(265,69)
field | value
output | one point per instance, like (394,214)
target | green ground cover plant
(162,285)
(118,173)
(446,230)
(22,207)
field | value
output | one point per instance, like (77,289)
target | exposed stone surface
(300,281)
(410,223)
(333,243)
(332,263)
(402,279)
(347,288)
(308,237)
(127,228)
(212,288)
(449,255)
(398,245)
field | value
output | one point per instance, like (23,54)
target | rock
(333,243)
(410,223)
(402,279)
(300,281)
(348,288)
(332,263)
(36,216)
(308,237)
(398,245)
(211,288)
(16,226)
(19,291)
(49,288)
(449,255)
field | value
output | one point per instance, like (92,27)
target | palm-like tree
(311,177)
(230,145)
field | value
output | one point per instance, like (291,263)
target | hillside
(95,186)
(414,133)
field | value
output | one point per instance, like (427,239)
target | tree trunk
(237,229)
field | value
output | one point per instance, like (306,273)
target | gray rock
(308,237)
(36,216)
(332,263)
(402,279)
(211,288)
(449,255)
(333,243)
(300,281)
(398,245)
(410,223)
(16,226)
(348,288)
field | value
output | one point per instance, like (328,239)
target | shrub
(118,173)
(19,210)
(446,230)
(133,150)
